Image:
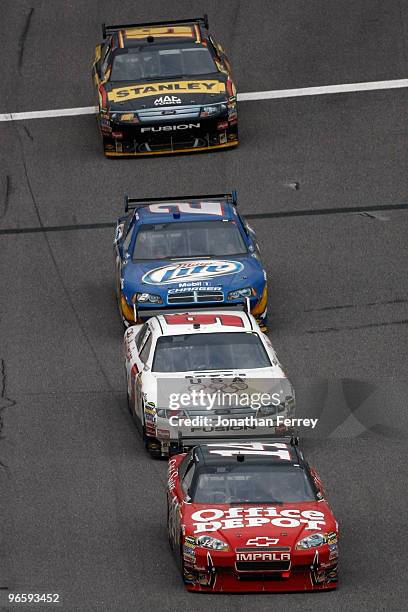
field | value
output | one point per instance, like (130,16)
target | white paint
(46,114)
(243,97)
(319,91)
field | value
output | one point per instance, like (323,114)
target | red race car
(250,516)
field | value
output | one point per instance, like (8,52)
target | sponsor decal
(164,100)
(170,128)
(334,551)
(204,319)
(142,90)
(332,537)
(262,541)
(277,449)
(263,556)
(200,208)
(189,554)
(211,428)
(189,289)
(331,576)
(213,519)
(191,270)
(189,548)
(161,32)
(188,577)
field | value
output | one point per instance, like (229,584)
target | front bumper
(213,571)
(169,151)
(258,309)
(142,139)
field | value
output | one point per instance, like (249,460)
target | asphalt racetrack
(82,506)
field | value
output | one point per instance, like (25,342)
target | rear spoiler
(187,442)
(109,29)
(136,203)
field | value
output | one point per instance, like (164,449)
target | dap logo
(191,270)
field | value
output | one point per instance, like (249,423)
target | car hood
(178,276)
(235,526)
(138,95)
(159,386)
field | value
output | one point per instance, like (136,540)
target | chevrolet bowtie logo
(262,541)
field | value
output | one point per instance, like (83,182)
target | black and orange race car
(164,87)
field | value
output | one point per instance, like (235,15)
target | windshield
(251,483)
(197,352)
(188,239)
(146,62)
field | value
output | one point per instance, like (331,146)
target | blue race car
(187,253)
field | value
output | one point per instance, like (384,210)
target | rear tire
(129,405)
(153,447)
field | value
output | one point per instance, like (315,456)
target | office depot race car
(164,87)
(250,516)
(187,253)
(197,376)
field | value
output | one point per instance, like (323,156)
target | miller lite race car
(250,516)
(164,87)
(198,376)
(187,253)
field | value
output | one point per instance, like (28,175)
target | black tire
(129,405)
(168,526)
(151,446)
(106,141)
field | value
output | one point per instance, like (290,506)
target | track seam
(353,210)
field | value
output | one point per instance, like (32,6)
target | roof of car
(186,210)
(173,324)
(266,452)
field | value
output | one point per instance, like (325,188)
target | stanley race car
(164,87)
(221,354)
(250,516)
(186,253)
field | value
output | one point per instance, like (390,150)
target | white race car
(194,376)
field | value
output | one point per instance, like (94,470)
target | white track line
(327,89)
(243,97)
(56,112)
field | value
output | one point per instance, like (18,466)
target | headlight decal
(143,298)
(206,541)
(311,541)
(245,292)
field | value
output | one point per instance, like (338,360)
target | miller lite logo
(191,270)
